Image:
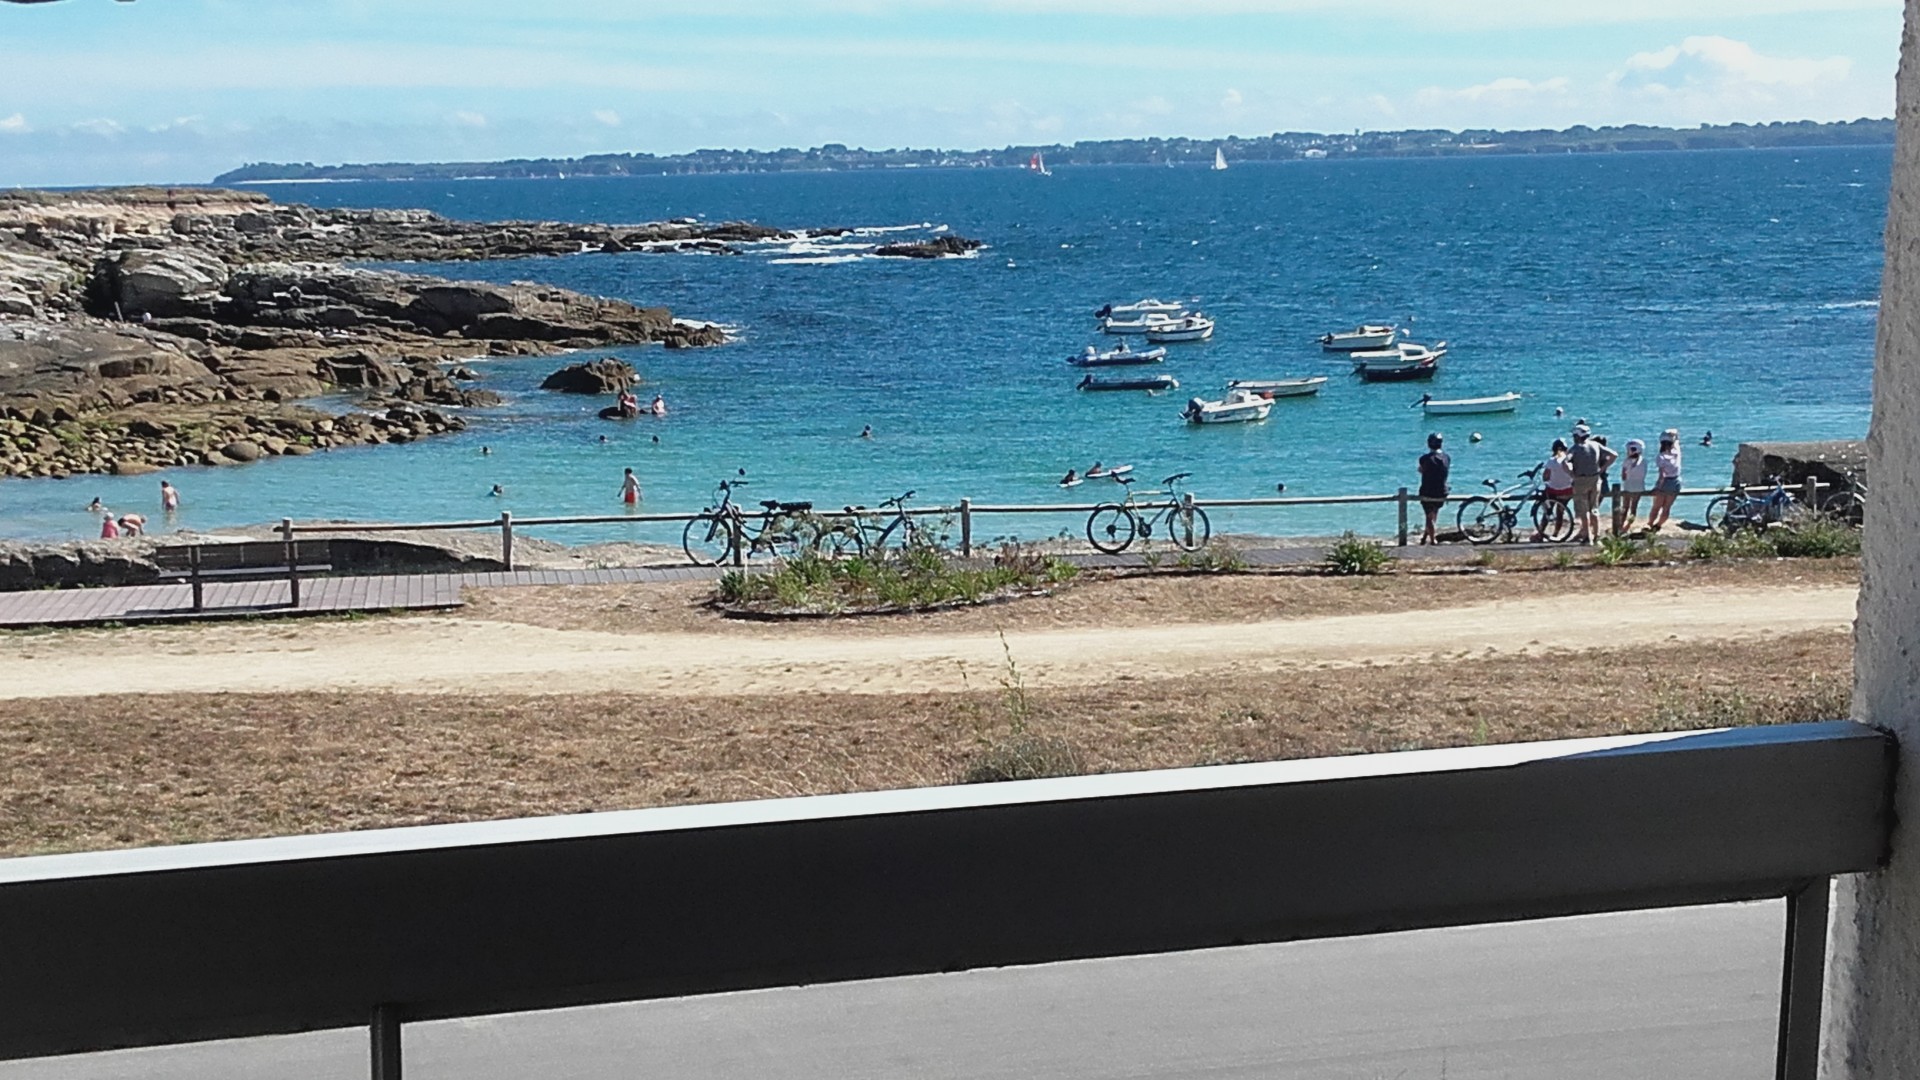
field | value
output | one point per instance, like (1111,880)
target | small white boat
(1404,353)
(1279,388)
(1238,407)
(1219,160)
(1117,357)
(1138,325)
(1142,308)
(1195,327)
(1364,336)
(1498,403)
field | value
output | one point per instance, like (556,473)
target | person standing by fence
(1667,488)
(1435,466)
(1633,484)
(1590,461)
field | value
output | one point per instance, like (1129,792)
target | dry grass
(130,770)
(1142,599)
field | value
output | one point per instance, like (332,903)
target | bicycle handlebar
(1176,478)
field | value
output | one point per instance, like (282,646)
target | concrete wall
(1873,973)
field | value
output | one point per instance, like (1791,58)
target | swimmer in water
(485,450)
(1069,479)
(497,491)
(1707,439)
(95,506)
(867,432)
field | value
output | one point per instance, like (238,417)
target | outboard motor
(1193,407)
(1105,310)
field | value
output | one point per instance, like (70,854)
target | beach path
(446,655)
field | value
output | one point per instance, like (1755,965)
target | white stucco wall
(1873,969)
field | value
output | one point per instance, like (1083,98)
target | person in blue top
(1435,466)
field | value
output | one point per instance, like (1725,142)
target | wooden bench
(245,560)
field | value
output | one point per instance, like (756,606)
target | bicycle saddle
(788,507)
(1491,482)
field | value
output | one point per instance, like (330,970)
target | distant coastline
(1280,146)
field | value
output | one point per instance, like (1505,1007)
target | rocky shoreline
(143,328)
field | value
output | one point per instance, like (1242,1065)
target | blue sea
(1727,291)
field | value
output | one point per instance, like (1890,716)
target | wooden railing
(965,511)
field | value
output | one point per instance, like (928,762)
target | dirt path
(452,655)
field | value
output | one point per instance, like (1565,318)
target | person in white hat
(1590,460)
(1633,483)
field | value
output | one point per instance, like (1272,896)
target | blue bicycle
(1745,510)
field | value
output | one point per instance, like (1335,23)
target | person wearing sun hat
(1590,460)
(1633,484)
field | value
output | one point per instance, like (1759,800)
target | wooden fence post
(293,561)
(1811,493)
(737,539)
(1619,511)
(966,528)
(1403,517)
(506,539)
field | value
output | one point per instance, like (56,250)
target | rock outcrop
(939,247)
(604,376)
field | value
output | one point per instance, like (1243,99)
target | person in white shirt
(1633,483)
(1667,487)
(1556,475)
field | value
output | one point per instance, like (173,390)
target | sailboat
(1038,164)
(1219,160)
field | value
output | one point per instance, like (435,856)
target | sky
(95,92)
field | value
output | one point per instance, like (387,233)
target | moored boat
(1279,388)
(1137,325)
(1498,403)
(1038,164)
(1117,357)
(1364,336)
(1398,372)
(1404,353)
(1238,407)
(1129,382)
(1142,308)
(1194,327)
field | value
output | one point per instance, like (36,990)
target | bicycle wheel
(780,536)
(1553,520)
(707,540)
(1845,507)
(1111,527)
(1477,520)
(840,539)
(1188,528)
(1717,511)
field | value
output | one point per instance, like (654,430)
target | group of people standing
(1576,475)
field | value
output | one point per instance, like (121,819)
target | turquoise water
(1727,291)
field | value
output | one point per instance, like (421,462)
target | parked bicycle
(1113,526)
(1848,504)
(1745,510)
(780,530)
(1486,518)
(900,531)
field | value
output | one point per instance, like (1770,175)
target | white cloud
(1232,100)
(607,117)
(1712,59)
(102,127)
(467,119)
(14,125)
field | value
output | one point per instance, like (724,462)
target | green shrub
(1019,754)
(1814,537)
(1352,555)
(1614,550)
(1218,557)
(918,576)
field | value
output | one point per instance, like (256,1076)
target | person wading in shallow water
(630,488)
(1435,466)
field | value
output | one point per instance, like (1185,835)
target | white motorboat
(1194,327)
(1238,407)
(1172,309)
(1279,388)
(1498,403)
(1139,325)
(1364,336)
(1404,353)
(1117,357)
